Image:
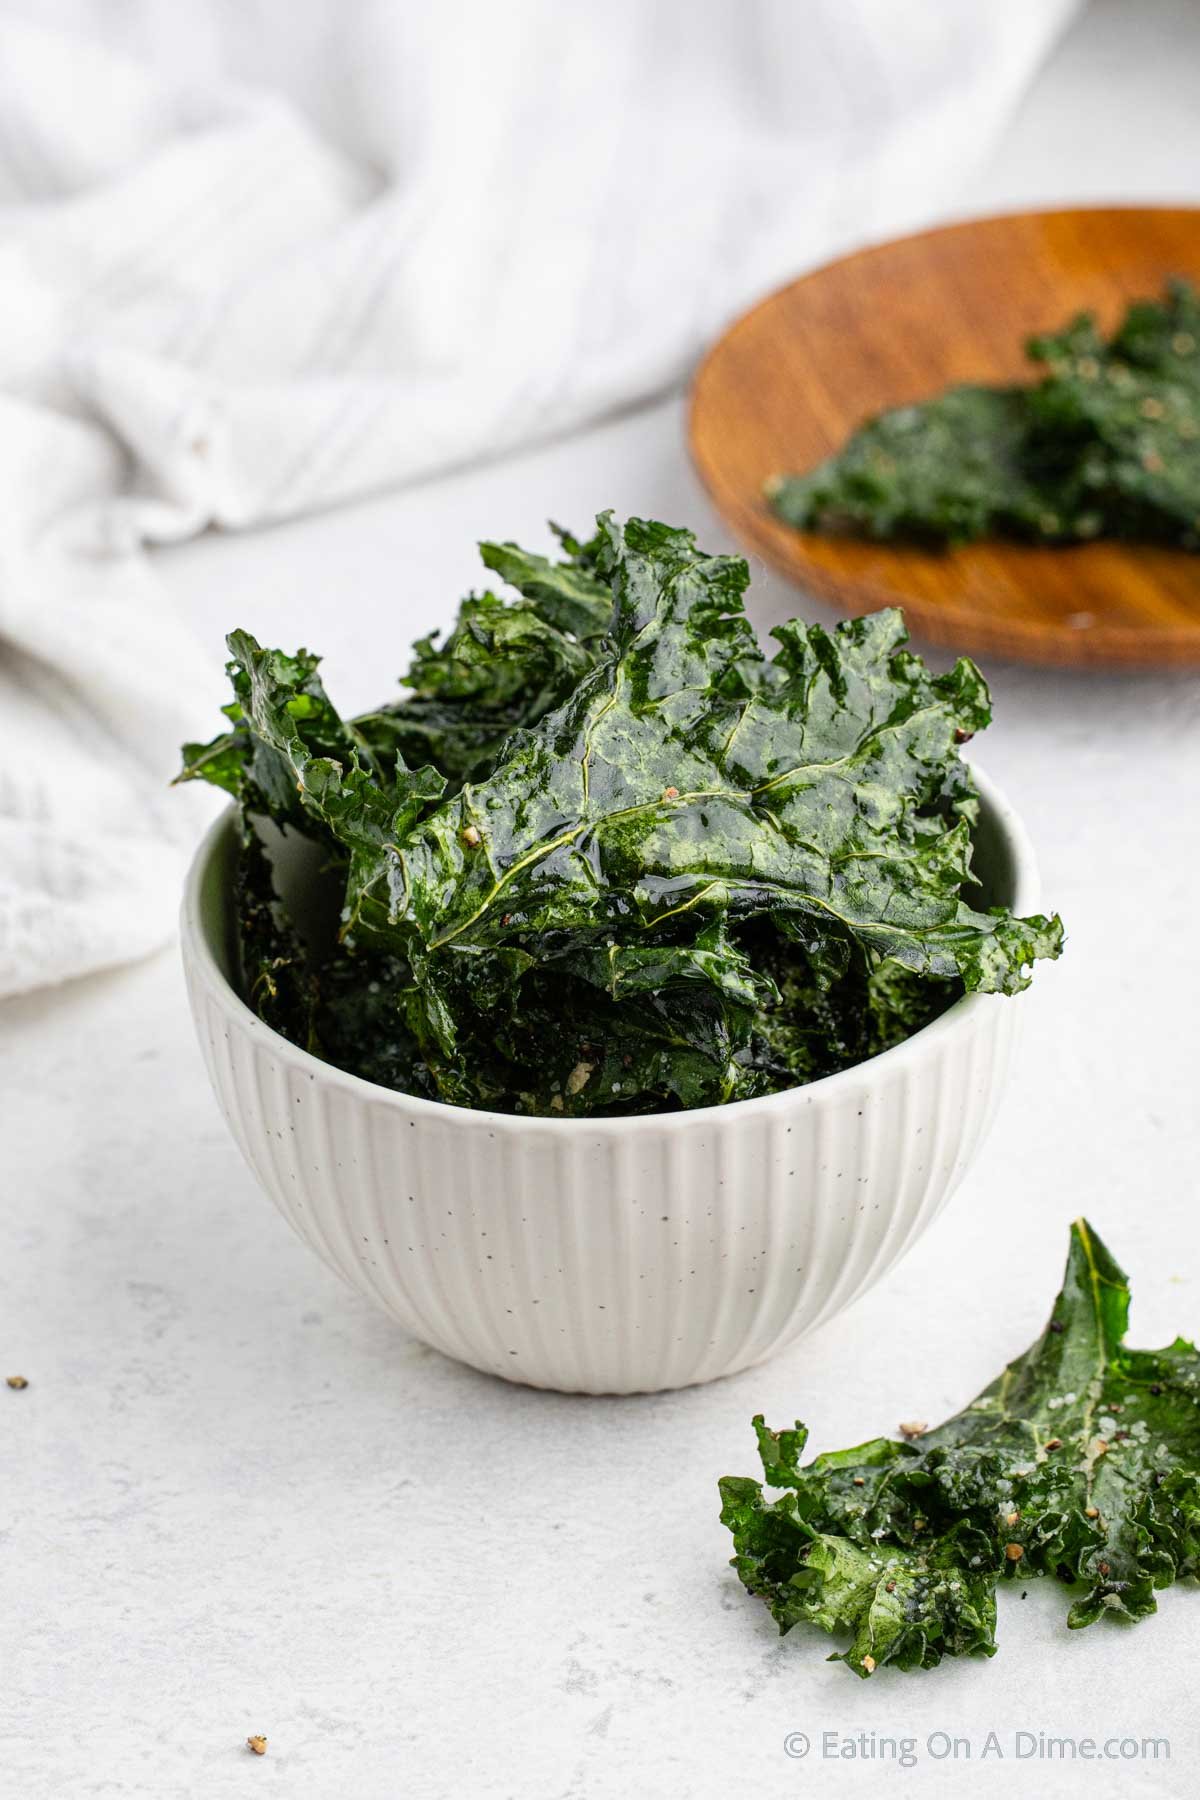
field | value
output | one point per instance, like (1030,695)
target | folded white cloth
(255,261)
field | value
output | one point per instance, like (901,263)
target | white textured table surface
(235,1499)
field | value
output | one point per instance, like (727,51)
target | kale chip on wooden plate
(1105,444)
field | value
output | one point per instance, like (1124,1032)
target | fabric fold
(259,262)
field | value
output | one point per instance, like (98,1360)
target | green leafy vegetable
(608,856)
(1106,445)
(1082,1461)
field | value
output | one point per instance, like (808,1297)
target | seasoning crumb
(1013,1518)
(16,1381)
(1103,1568)
(670,793)
(890,1586)
(868,1663)
(257,1744)
(1014,1552)
(859,1481)
(913,1428)
(470,835)
(578,1078)
(1091,1512)
(1053,1444)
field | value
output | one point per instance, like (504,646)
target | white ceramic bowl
(622,1255)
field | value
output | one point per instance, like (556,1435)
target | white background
(236,1499)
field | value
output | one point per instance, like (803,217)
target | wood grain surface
(789,382)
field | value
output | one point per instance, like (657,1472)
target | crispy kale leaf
(1107,444)
(611,857)
(503,665)
(950,470)
(1082,1461)
(276,977)
(687,786)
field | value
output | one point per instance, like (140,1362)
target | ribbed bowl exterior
(623,1256)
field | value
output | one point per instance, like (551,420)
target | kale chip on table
(1081,1461)
(606,856)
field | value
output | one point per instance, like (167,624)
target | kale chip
(607,856)
(1106,445)
(1082,1461)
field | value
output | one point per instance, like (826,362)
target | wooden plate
(790,380)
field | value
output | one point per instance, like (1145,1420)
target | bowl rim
(199,956)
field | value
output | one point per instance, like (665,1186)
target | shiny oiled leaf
(611,857)
(1082,1461)
(686,776)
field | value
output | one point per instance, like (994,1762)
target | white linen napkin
(255,261)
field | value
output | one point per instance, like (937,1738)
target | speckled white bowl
(624,1255)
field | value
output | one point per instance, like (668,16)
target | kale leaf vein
(607,856)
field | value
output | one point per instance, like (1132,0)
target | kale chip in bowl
(610,858)
(623,1000)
